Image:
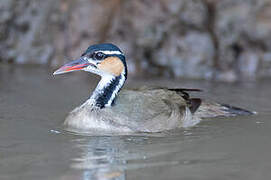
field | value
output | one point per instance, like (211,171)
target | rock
(156,38)
(242,28)
(248,64)
(227,76)
(265,66)
(226,40)
(190,55)
(25,40)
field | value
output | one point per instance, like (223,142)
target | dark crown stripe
(102,47)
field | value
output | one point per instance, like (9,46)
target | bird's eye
(99,56)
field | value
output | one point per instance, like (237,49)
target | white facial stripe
(111,52)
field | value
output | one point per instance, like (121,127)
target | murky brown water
(33,104)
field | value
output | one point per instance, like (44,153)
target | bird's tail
(213,109)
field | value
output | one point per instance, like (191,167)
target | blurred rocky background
(226,40)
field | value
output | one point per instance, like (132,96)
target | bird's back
(150,109)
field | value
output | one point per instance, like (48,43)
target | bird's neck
(107,90)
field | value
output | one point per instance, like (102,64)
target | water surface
(33,104)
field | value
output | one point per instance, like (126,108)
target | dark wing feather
(193,103)
(185,89)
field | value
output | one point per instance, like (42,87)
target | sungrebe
(142,110)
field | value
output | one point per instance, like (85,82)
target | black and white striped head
(101,59)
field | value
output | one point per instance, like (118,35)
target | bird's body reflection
(110,157)
(102,157)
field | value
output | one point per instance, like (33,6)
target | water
(33,104)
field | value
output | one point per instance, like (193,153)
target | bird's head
(100,59)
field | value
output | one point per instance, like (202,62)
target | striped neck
(107,90)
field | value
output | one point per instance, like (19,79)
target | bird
(111,109)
